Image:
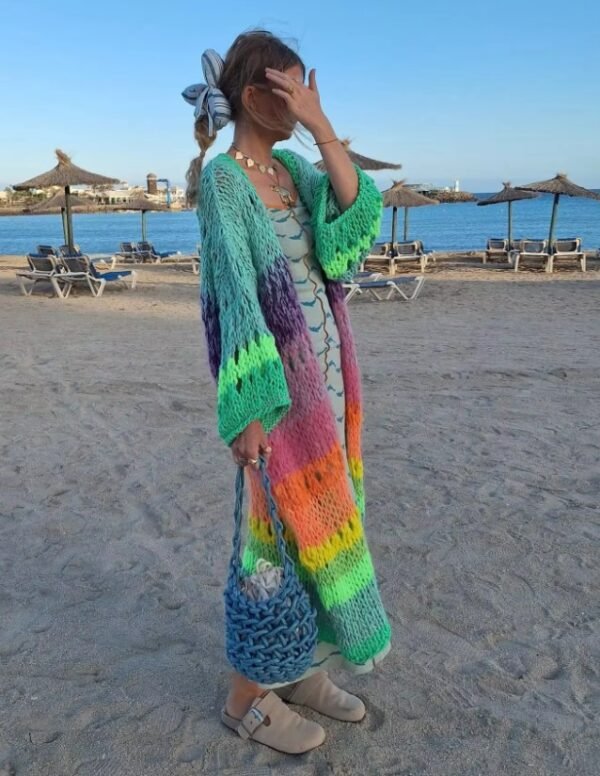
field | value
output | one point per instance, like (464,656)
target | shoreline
(451,265)
(84,211)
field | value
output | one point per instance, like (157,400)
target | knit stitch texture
(261,357)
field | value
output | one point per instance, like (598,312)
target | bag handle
(275,520)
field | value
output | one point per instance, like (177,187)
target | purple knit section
(212,329)
(279,303)
(350,368)
(335,291)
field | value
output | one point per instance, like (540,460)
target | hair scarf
(207,98)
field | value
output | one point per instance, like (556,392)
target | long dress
(293,229)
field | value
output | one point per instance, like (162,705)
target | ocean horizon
(452,227)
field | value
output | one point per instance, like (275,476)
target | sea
(444,227)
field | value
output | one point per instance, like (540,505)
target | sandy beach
(481,450)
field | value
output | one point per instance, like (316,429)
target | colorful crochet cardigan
(261,357)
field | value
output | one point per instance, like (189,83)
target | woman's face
(272,107)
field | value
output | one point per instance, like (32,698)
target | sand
(481,451)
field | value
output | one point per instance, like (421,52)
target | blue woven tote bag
(273,640)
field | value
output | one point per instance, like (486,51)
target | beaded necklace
(285,195)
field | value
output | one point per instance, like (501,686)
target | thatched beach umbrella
(558,185)
(398,195)
(143,205)
(59,203)
(509,195)
(364,162)
(65,175)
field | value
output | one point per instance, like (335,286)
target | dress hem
(328,658)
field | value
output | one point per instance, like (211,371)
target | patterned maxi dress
(294,232)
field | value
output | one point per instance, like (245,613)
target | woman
(278,237)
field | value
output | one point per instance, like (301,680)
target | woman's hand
(304,105)
(303,102)
(250,444)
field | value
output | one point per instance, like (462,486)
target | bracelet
(324,142)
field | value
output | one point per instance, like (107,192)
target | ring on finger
(290,89)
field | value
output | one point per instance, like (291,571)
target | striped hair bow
(207,98)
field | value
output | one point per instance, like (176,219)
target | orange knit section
(314,503)
(353,429)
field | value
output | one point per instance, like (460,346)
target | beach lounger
(79,269)
(380,253)
(532,250)
(41,269)
(45,250)
(374,286)
(78,253)
(496,250)
(567,248)
(375,258)
(353,286)
(517,245)
(150,253)
(196,260)
(64,250)
(129,252)
(399,253)
(411,251)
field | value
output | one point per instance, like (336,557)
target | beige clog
(318,692)
(269,721)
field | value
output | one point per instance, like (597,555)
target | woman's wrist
(322,130)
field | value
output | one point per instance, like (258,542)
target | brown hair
(245,63)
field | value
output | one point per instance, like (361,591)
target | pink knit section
(303,375)
(317,433)
(350,368)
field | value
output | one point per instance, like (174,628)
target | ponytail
(192,176)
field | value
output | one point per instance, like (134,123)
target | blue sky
(480,91)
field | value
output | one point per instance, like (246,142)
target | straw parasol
(509,195)
(364,162)
(143,205)
(558,185)
(65,174)
(398,195)
(59,203)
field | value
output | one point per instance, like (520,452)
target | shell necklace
(285,195)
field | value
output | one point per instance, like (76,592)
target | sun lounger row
(520,251)
(141,252)
(63,272)
(63,251)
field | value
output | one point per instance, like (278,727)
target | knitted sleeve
(342,239)
(243,356)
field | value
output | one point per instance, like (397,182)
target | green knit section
(249,360)
(255,549)
(339,581)
(371,646)
(359,494)
(343,587)
(325,629)
(247,387)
